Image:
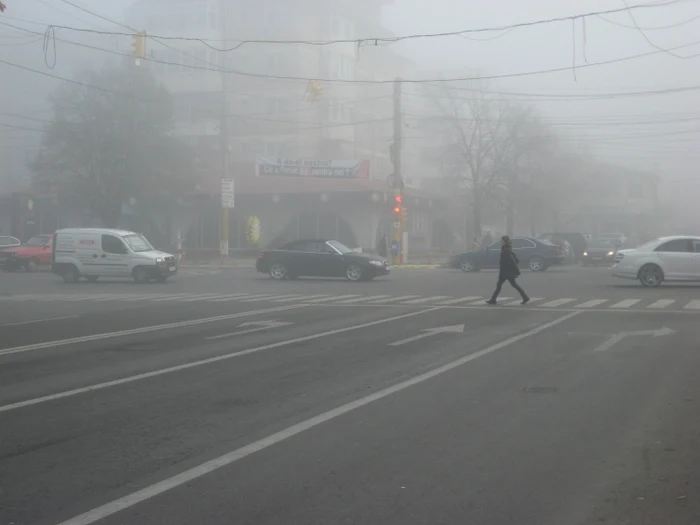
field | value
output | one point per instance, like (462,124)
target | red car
(30,255)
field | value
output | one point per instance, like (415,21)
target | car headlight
(377,263)
(159,260)
(585,254)
(610,254)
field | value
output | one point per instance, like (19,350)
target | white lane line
(426,299)
(591,304)
(71,298)
(224,357)
(278,298)
(194,473)
(363,298)
(459,300)
(692,305)
(557,302)
(135,298)
(661,303)
(394,299)
(293,298)
(518,301)
(114,297)
(142,330)
(625,303)
(332,298)
(41,320)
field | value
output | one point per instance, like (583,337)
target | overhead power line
(370,40)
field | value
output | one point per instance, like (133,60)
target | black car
(600,251)
(320,258)
(536,254)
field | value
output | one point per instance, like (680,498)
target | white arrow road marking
(613,340)
(261,325)
(454,329)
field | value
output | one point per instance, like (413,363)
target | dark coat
(509,263)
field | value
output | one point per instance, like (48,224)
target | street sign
(227,193)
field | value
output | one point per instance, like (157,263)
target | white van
(94,253)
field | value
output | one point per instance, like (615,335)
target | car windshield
(600,244)
(138,243)
(648,244)
(340,247)
(547,242)
(38,240)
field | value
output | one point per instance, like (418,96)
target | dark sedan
(599,252)
(536,254)
(320,258)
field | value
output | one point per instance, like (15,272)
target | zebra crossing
(652,304)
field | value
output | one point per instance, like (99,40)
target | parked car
(320,258)
(7,241)
(577,241)
(599,252)
(94,252)
(30,255)
(536,254)
(664,259)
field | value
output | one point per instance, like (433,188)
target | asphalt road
(224,397)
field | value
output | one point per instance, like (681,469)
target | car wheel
(468,265)
(91,278)
(537,264)
(141,275)
(278,271)
(354,272)
(651,276)
(70,274)
(32,264)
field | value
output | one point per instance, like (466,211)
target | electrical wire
(373,40)
(644,35)
(650,28)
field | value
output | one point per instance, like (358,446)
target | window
(38,240)
(112,244)
(495,246)
(676,246)
(523,243)
(138,243)
(696,245)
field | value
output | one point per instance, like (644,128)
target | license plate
(596,258)
(172,268)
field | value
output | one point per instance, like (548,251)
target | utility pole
(397,180)
(223,131)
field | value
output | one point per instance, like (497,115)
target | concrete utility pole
(223,130)
(397,180)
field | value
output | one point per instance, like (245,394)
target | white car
(665,259)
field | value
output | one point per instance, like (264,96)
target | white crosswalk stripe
(426,299)
(361,299)
(298,297)
(394,299)
(519,301)
(332,298)
(592,303)
(557,302)
(202,297)
(459,300)
(692,305)
(661,303)
(625,303)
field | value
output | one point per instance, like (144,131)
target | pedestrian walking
(508,271)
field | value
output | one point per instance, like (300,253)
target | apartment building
(269,115)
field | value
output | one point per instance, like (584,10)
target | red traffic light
(398,199)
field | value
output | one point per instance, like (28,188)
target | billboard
(318,169)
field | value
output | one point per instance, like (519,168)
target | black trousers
(502,279)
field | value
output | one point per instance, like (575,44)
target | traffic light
(139,45)
(315,90)
(398,201)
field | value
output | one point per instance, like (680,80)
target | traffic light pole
(398,178)
(223,133)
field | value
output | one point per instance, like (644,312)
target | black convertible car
(320,258)
(536,254)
